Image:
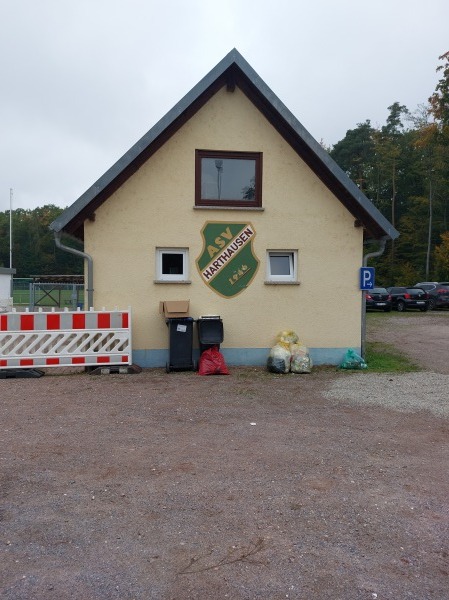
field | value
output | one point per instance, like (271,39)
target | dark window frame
(217,154)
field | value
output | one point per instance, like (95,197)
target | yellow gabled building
(230,203)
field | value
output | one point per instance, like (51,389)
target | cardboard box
(172,309)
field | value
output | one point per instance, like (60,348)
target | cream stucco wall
(155,208)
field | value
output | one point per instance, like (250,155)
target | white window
(172,264)
(282,266)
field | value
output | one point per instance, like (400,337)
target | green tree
(403,167)
(389,148)
(4,239)
(431,141)
(355,155)
(34,250)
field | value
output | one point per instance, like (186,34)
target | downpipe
(379,252)
(90,267)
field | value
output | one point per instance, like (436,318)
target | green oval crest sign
(227,263)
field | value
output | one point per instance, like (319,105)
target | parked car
(403,298)
(378,299)
(438,293)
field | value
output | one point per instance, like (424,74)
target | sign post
(367,277)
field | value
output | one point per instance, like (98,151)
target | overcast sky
(82,80)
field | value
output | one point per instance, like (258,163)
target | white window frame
(160,252)
(293,257)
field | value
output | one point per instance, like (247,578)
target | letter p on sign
(367,278)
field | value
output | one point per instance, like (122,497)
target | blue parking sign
(367,278)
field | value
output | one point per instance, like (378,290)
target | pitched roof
(232,71)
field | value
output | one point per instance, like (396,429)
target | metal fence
(21,291)
(32,294)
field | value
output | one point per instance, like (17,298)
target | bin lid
(210,331)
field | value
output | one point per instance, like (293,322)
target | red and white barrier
(56,339)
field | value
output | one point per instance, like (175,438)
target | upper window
(228,178)
(282,266)
(172,264)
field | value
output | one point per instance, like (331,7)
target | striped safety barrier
(54,339)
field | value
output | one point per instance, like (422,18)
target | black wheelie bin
(180,331)
(210,332)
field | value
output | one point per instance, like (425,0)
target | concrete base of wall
(240,357)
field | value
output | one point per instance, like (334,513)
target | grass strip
(385,358)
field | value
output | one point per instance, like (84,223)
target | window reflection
(280,264)
(228,179)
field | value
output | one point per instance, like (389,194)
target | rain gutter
(383,242)
(90,267)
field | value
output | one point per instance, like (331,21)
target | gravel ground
(408,392)
(332,485)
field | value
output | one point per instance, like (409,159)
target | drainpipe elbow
(90,266)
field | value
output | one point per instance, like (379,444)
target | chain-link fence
(21,291)
(32,294)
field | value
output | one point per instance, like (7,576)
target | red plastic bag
(212,362)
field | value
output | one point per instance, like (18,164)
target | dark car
(403,298)
(438,293)
(378,299)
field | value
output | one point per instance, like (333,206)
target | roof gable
(232,71)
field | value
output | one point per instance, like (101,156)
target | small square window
(228,178)
(282,265)
(172,264)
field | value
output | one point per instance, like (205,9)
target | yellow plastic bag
(287,337)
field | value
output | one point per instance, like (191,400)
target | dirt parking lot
(249,486)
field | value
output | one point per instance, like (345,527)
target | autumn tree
(432,141)
(442,257)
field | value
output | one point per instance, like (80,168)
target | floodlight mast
(11,289)
(10,227)
(219,167)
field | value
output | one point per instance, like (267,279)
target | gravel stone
(324,486)
(408,392)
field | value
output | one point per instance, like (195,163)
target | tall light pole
(11,291)
(10,227)
(429,232)
(219,167)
